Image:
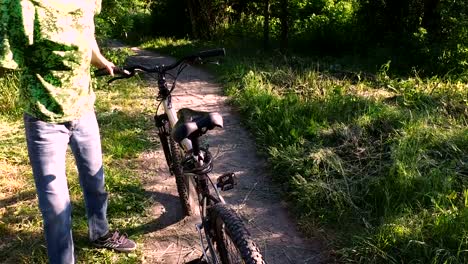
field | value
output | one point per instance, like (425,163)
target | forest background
(359,106)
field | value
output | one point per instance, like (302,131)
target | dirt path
(172,239)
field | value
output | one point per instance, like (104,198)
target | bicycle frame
(169,110)
(189,145)
(192,168)
(192,147)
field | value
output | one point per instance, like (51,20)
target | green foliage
(199,19)
(170,18)
(431,35)
(324,26)
(117,56)
(128,19)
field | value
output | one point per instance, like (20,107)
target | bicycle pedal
(197,261)
(226,181)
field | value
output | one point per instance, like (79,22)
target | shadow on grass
(171,214)
(22,196)
(23,247)
(22,239)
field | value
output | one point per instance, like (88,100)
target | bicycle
(224,239)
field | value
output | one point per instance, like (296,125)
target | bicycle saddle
(191,121)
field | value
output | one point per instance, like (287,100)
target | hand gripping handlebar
(129,71)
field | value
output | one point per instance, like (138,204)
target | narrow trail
(173,239)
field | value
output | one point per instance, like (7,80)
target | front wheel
(185,183)
(232,242)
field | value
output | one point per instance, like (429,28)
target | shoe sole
(125,250)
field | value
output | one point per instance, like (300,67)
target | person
(53,43)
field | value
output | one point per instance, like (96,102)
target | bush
(127,19)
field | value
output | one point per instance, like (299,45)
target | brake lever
(194,61)
(125,74)
(216,62)
(201,61)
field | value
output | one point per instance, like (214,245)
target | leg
(86,146)
(47,145)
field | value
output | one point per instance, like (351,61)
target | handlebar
(211,53)
(129,71)
(117,71)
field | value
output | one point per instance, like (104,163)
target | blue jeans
(47,145)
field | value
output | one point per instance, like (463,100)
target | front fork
(164,133)
(208,250)
(225,182)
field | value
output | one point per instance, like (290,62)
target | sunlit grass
(165,42)
(354,155)
(9,83)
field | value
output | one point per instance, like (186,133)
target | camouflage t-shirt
(50,41)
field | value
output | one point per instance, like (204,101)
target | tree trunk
(266,25)
(431,18)
(201,18)
(284,19)
(191,5)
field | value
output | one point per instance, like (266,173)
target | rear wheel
(231,239)
(185,182)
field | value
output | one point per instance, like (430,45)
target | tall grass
(9,84)
(381,163)
(368,159)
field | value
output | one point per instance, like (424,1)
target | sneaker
(115,241)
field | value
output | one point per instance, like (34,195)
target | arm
(98,60)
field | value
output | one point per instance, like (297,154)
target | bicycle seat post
(196,151)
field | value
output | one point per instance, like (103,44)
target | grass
(9,105)
(124,113)
(350,159)
(378,163)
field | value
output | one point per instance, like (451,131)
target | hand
(98,60)
(102,63)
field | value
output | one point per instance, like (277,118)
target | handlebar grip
(101,72)
(117,71)
(211,53)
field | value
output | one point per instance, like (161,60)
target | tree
(284,18)
(266,25)
(205,17)
(431,17)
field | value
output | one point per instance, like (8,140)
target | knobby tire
(232,240)
(185,185)
(173,155)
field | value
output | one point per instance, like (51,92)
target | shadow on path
(171,213)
